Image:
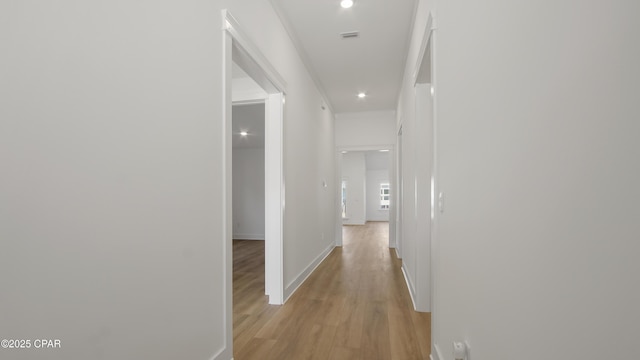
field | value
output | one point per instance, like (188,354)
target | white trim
(274,199)
(249,98)
(423,48)
(423,202)
(407,48)
(249,237)
(358,222)
(241,50)
(434,261)
(345,221)
(398,188)
(302,277)
(390,147)
(424,294)
(338,218)
(436,351)
(435,172)
(221,355)
(227,193)
(412,290)
(252,101)
(265,70)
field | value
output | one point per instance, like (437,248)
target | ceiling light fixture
(346,3)
(362,95)
(384,150)
(243,133)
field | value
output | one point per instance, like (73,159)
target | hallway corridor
(354,306)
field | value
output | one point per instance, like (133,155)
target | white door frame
(424,86)
(238,48)
(398,178)
(338,157)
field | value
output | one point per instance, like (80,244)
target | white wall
(248,194)
(364,171)
(377,165)
(536,107)
(248,171)
(377,160)
(374,179)
(366,129)
(354,172)
(414,172)
(111,151)
(309,231)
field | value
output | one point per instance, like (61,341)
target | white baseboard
(412,289)
(436,354)
(295,284)
(248,237)
(354,222)
(222,354)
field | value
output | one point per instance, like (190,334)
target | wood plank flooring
(354,306)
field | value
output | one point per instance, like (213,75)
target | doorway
(368,188)
(423,175)
(248,159)
(399,202)
(269,89)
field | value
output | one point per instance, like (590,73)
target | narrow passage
(354,306)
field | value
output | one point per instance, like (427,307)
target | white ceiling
(373,63)
(249,118)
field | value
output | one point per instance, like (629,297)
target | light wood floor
(354,306)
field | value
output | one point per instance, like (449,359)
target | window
(344,199)
(384,196)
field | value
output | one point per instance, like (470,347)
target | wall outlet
(461,350)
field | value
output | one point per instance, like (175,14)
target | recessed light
(384,150)
(243,133)
(346,3)
(362,95)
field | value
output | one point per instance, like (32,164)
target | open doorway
(420,177)
(248,157)
(248,172)
(365,186)
(366,194)
(256,82)
(241,56)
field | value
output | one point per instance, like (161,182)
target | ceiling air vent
(350,34)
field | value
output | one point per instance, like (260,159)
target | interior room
(366,194)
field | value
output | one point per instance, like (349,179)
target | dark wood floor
(354,306)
